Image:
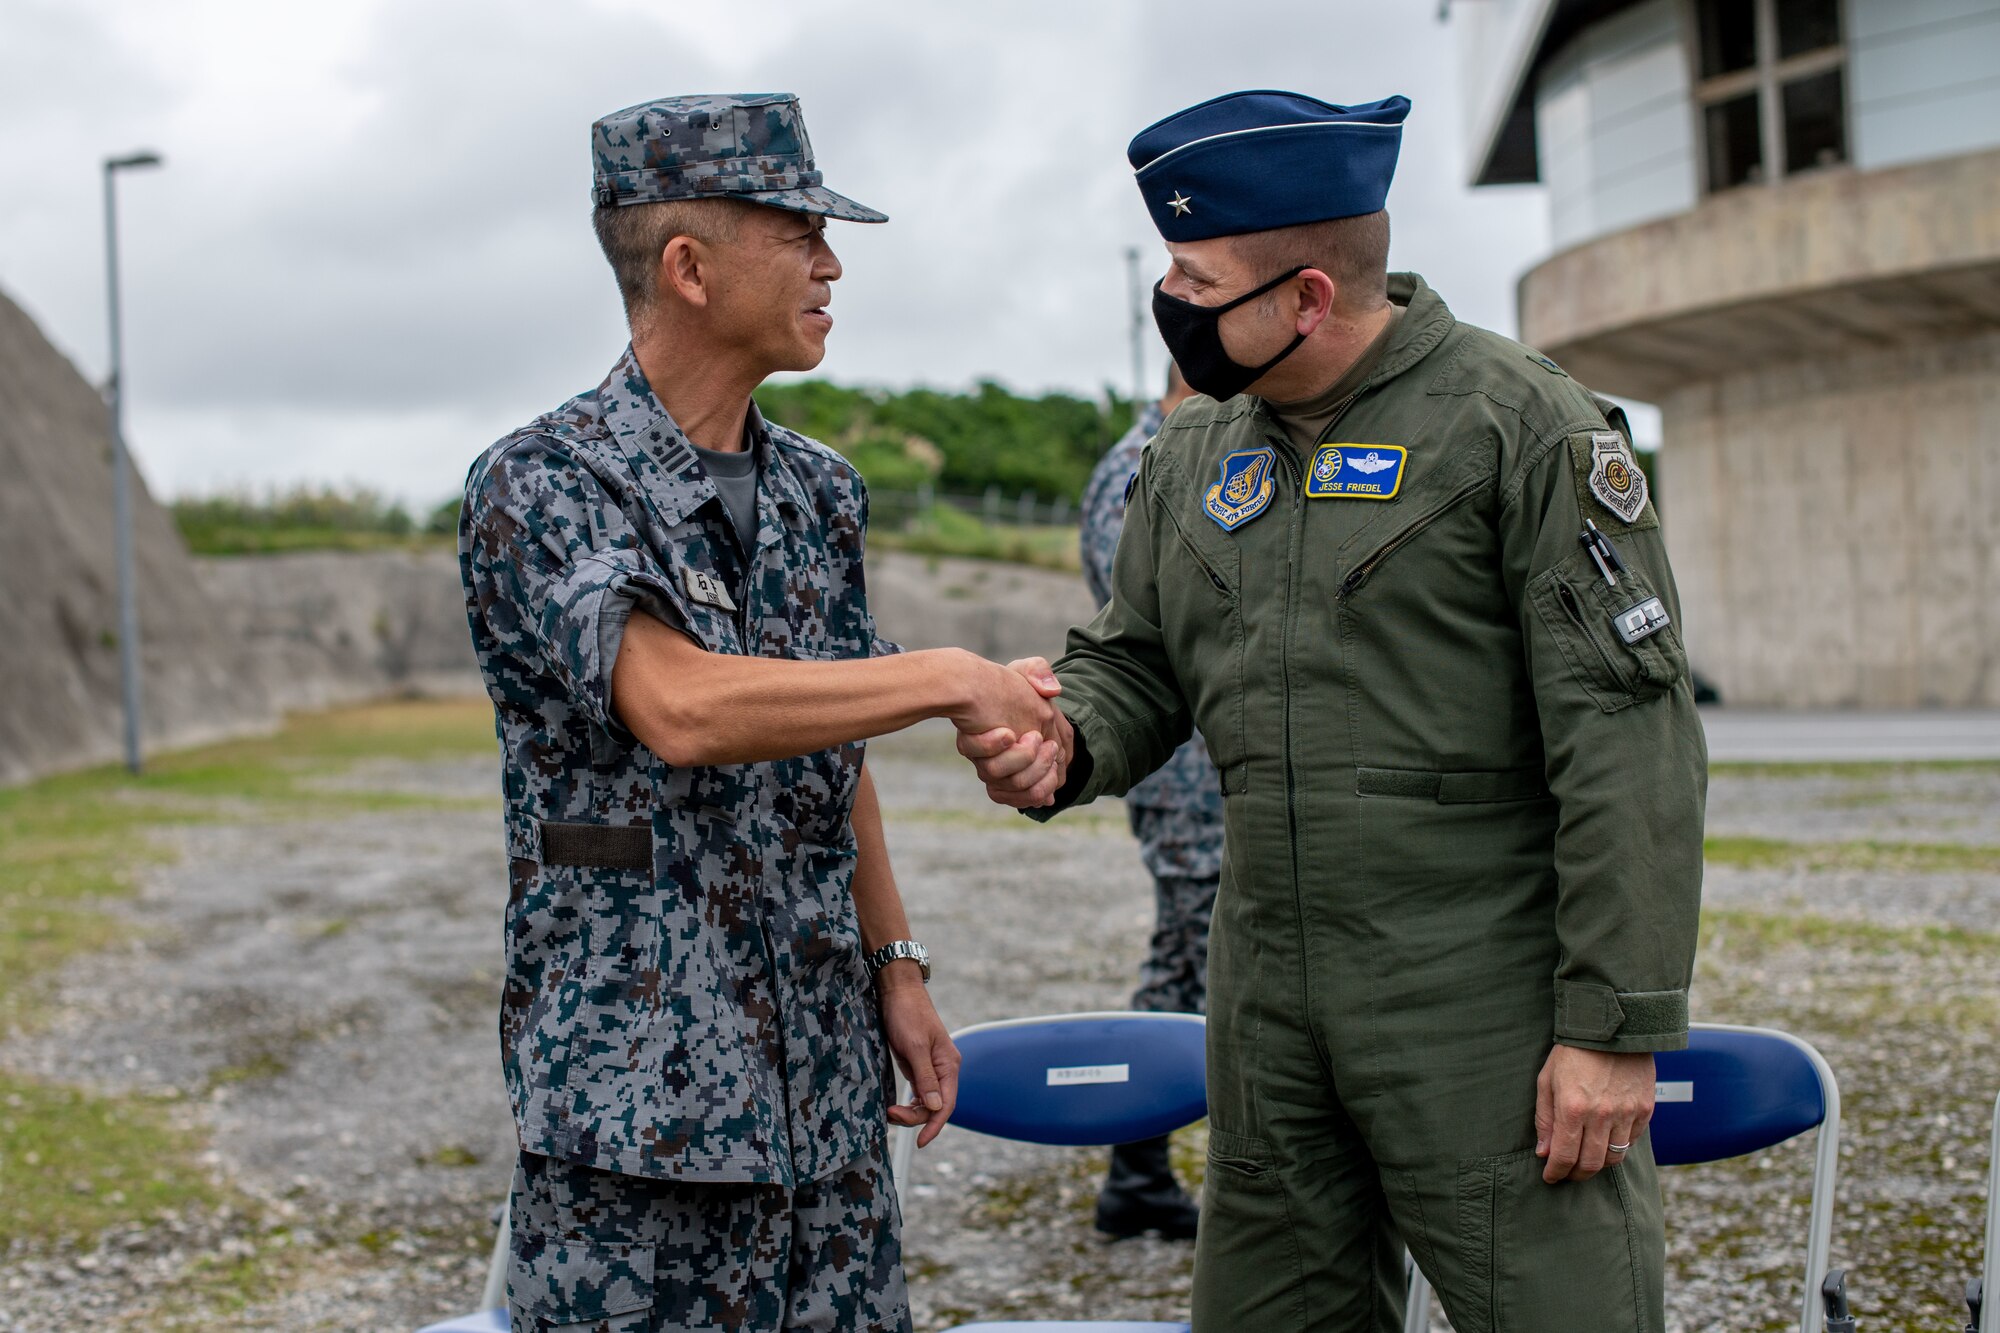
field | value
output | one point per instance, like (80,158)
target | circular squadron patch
(1615,478)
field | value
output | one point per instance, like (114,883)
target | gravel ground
(319,997)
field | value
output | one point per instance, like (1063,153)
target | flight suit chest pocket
(1620,642)
(1199,579)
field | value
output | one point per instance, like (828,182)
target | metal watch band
(896,949)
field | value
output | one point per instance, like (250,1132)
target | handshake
(1019,742)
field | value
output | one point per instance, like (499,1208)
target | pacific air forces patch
(1245,489)
(1615,480)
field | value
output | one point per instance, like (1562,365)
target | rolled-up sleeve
(556,569)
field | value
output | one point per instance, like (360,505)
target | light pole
(121,463)
(1137,290)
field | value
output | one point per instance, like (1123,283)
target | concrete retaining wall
(326,628)
(59,692)
(335,627)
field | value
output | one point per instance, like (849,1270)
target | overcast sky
(369,253)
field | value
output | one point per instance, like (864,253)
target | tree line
(958,443)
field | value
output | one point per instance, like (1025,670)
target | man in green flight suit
(1404,575)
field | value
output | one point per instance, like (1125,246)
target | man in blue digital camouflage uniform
(705,949)
(1176,814)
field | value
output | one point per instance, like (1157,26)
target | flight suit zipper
(1360,573)
(1296,475)
(1295,470)
(1196,556)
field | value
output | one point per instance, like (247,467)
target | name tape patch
(1356,472)
(1673,1092)
(706,589)
(1072,1075)
(1642,621)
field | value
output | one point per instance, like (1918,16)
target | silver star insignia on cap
(1182,204)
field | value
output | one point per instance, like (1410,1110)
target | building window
(1770,83)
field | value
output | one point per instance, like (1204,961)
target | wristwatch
(896,949)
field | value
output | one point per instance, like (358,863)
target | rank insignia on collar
(1245,489)
(1356,472)
(1615,478)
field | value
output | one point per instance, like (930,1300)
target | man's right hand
(1023,764)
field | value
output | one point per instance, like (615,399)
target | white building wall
(1614,124)
(1494,39)
(1923,78)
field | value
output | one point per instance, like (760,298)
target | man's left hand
(1587,1101)
(922,1048)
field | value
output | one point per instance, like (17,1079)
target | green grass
(1755,934)
(1850,769)
(308,518)
(73,1162)
(226,540)
(948,531)
(1870,855)
(68,843)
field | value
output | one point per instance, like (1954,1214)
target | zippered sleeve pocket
(1620,643)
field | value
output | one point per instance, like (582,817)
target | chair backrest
(1735,1091)
(1989,1321)
(1738,1090)
(1082,1079)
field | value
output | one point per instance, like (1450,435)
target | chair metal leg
(1819,1224)
(902,1154)
(495,1295)
(902,1142)
(1417,1308)
(1990,1277)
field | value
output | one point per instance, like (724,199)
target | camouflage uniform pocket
(570,1285)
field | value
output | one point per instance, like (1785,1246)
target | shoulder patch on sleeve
(1608,478)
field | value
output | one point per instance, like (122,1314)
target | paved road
(1738,735)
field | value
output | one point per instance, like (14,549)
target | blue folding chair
(1076,1080)
(1733,1091)
(1982,1287)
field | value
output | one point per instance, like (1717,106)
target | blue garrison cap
(1257,160)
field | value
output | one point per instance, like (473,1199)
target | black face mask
(1193,336)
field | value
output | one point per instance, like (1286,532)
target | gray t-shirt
(735,477)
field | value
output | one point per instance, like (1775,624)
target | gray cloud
(370,282)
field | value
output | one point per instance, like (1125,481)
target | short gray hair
(1354,252)
(633,236)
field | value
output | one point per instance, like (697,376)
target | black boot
(1140,1194)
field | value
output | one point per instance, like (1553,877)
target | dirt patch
(317,998)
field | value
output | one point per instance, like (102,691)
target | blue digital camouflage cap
(747,145)
(1252,161)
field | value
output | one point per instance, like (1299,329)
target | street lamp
(121,464)
(1137,288)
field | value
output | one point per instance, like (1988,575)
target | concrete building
(1780,221)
